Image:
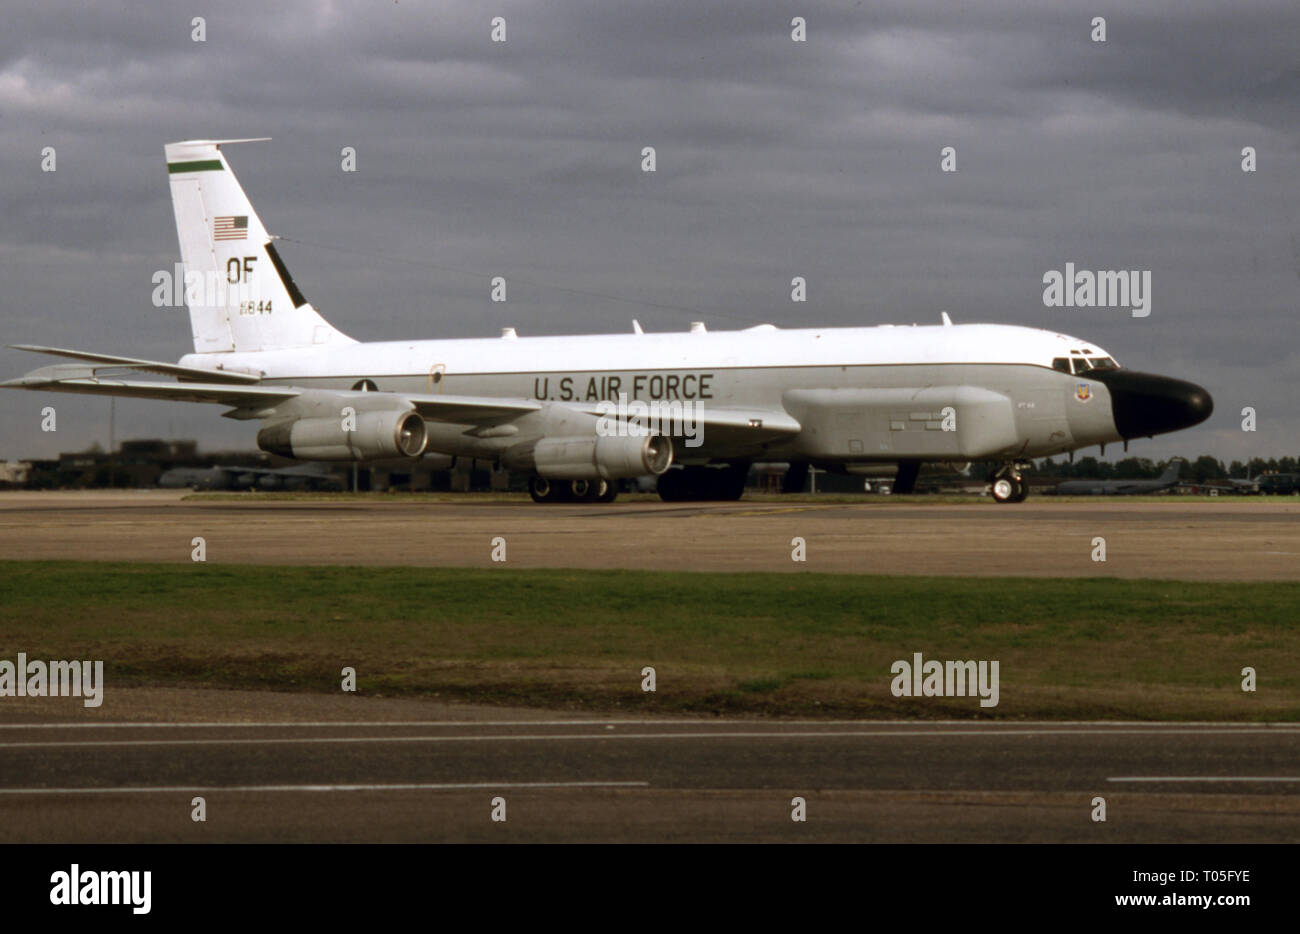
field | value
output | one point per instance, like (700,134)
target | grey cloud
(775,159)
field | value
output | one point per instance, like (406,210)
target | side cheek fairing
(1089,413)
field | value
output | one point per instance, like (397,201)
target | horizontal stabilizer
(73,378)
(146,366)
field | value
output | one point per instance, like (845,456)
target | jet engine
(593,458)
(363,436)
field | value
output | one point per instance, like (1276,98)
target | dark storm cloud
(775,159)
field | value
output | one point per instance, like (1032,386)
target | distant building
(140,462)
(14,474)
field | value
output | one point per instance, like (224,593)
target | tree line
(1197,470)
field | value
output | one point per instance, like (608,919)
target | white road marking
(213,789)
(1103,725)
(606,736)
(1207,778)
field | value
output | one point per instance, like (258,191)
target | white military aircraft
(694,409)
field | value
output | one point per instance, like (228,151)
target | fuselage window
(1062,364)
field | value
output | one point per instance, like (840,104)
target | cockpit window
(1082,364)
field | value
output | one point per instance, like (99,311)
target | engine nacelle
(373,436)
(593,458)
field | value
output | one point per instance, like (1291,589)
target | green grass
(806,645)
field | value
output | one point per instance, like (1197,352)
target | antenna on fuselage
(947,322)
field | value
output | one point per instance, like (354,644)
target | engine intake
(374,436)
(593,458)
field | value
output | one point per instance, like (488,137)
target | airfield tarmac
(1228,538)
(295,768)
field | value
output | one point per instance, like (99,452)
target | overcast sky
(775,159)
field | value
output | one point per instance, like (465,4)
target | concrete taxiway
(1228,539)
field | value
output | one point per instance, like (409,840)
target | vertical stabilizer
(239,293)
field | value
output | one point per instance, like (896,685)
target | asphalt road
(376,778)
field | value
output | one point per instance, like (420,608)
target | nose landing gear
(1009,485)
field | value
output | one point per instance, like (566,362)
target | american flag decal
(230,228)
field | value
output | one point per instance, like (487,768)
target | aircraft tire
(584,491)
(730,484)
(1004,490)
(672,486)
(609,491)
(543,490)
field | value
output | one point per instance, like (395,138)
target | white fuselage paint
(748,369)
(758,347)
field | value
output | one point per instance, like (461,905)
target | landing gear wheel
(543,490)
(671,486)
(1004,490)
(1009,485)
(731,482)
(584,491)
(581,491)
(609,491)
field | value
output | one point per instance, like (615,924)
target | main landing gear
(572,491)
(1009,485)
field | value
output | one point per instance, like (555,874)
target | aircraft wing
(756,421)
(729,424)
(724,427)
(749,424)
(470,410)
(312,471)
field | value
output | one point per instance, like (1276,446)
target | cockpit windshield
(1082,364)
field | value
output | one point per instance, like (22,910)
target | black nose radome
(1144,404)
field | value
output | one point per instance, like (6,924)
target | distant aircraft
(1246,487)
(1090,487)
(300,477)
(577,413)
